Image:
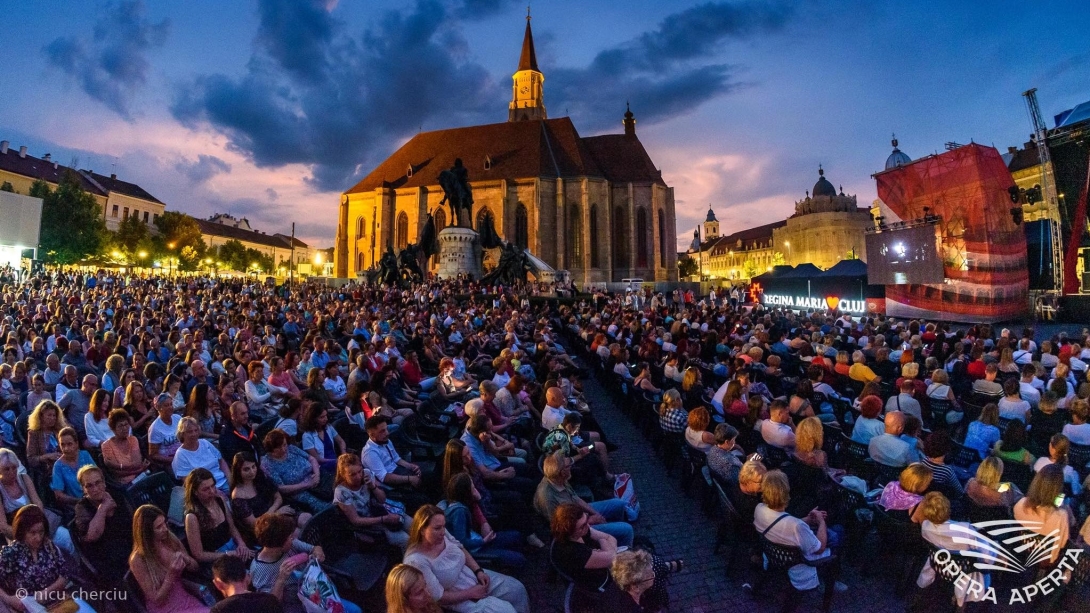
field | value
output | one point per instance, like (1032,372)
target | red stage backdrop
(983,251)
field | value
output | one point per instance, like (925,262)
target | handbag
(317,592)
(625,490)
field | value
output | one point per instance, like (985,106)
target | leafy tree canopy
(72,223)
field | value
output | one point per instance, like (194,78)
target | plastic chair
(962,456)
(1078,456)
(331,530)
(154,490)
(901,539)
(1018,473)
(780,560)
(772,456)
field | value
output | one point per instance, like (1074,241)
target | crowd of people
(430,422)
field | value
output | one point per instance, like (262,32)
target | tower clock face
(525,90)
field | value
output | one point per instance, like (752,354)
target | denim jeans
(617,527)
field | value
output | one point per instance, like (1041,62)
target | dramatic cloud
(664,72)
(112,65)
(272,194)
(316,95)
(206,167)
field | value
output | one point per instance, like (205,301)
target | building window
(594,236)
(154,217)
(126,215)
(620,253)
(114,214)
(662,238)
(575,237)
(522,226)
(359,261)
(485,216)
(641,238)
(402,230)
(361,228)
(146,216)
(440,219)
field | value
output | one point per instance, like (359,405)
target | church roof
(528,59)
(513,150)
(711,215)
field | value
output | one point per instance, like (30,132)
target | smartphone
(1059,500)
(1003,487)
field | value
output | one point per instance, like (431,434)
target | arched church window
(440,219)
(641,238)
(359,261)
(662,238)
(485,214)
(620,238)
(402,240)
(575,237)
(360,227)
(522,226)
(594,263)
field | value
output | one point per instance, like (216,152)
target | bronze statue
(512,267)
(409,265)
(387,268)
(458,193)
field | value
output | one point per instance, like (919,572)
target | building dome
(897,158)
(823,187)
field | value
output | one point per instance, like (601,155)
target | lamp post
(142,255)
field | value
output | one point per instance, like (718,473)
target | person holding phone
(1042,510)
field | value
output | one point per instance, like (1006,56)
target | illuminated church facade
(595,206)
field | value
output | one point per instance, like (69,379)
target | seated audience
(157,562)
(103,526)
(889,448)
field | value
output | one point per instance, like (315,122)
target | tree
(749,268)
(7,187)
(39,189)
(687,267)
(72,223)
(233,254)
(132,235)
(180,237)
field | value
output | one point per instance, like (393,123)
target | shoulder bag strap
(765,531)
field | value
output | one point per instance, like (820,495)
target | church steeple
(528,95)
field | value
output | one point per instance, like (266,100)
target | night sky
(270,109)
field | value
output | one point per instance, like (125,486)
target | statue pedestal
(459,253)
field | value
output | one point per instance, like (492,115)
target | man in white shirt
(890,449)
(1026,389)
(777,430)
(554,410)
(380,457)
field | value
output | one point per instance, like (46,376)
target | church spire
(528,94)
(528,60)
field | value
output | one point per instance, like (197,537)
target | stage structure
(965,194)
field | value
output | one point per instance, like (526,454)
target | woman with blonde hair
(985,488)
(1042,509)
(692,392)
(672,417)
(453,577)
(407,592)
(157,562)
(903,497)
(43,441)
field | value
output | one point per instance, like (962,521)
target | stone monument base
(459,253)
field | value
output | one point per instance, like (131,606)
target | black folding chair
(343,560)
(962,456)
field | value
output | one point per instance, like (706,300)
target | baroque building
(827,227)
(596,206)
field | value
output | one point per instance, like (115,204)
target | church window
(522,226)
(440,218)
(662,238)
(641,238)
(402,230)
(361,227)
(488,162)
(594,236)
(620,239)
(359,261)
(575,237)
(409,172)
(484,215)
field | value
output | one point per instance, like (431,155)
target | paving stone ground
(678,528)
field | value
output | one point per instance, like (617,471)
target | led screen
(900,257)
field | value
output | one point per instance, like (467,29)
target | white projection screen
(908,256)
(20,220)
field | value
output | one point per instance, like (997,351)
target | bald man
(889,448)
